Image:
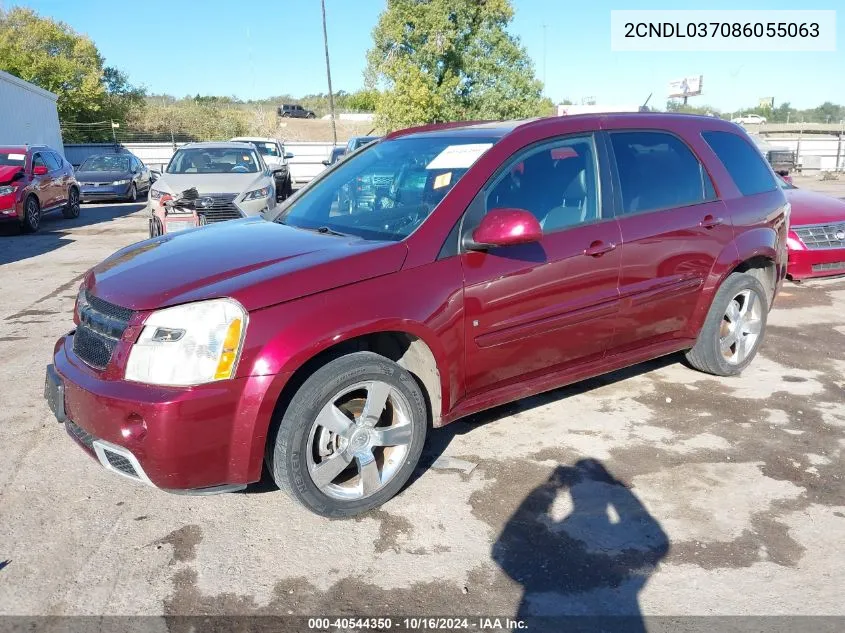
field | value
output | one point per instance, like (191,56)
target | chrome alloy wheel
(741,327)
(359,440)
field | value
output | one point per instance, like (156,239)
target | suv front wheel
(31,215)
(733,329)
(350,437)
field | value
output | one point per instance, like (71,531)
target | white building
(28,114)
(566,110)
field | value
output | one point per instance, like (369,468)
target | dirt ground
(652,491)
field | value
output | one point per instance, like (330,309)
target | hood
(102,176)
(259,263)
(274,161)
(6,173)
(809,207)
(212,183)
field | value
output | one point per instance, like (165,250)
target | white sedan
(752,119)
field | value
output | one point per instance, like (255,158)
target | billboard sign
(686,87)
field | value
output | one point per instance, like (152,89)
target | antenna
(644,106)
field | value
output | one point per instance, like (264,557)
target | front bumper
(9,209)
(813,263)
(208,438)
(103,192)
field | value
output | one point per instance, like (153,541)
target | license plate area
(54,394)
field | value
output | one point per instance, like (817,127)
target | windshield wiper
(323,230)
(327,231)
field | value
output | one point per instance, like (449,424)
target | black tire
(285,115)
(31,215)
(71,209)
(132,196)
(287,450)
(707,355)
(155,227)
(310,115)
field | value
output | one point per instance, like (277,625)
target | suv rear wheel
(733,329)
(71,209)
(351,436)
(31,215)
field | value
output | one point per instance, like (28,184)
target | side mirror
(504,227)
(39,170)
(327,162)
(288,155)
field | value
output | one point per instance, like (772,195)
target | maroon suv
(35,179)
(493,261)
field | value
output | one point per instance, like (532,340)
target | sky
(261,48)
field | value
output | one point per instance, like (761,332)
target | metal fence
(306,163)
(814,152)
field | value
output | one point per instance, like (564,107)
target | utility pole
(328,72)
(544,58)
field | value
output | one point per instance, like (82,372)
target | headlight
(257,194)
(120,182)
(155,194)
(5,191)
(189,344)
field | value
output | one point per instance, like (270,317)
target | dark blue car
(112,177)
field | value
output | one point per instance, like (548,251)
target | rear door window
(747,168)
(658,171)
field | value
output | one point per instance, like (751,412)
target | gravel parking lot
(656,490)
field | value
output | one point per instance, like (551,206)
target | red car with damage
(816,234)
(34,180)
(493,261)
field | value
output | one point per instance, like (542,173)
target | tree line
(433,61)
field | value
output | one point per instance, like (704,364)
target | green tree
(443,60)
(52,55)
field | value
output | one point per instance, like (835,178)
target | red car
(35,179)
(326,343)
(817,234)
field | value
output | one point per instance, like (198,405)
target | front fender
(425,302)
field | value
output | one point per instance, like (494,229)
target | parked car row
(486,263)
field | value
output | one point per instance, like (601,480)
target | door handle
(599,248)
(709,222)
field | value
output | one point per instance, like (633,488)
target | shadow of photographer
(581,544)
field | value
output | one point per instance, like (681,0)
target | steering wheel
(413,218)
(240,169)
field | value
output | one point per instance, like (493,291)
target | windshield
(213,160)
(267,149)
(360,141)
(783,184)
(12,159)
(388,189)
(105,163)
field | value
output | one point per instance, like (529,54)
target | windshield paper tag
(459,156)
(17,156)
(443,180)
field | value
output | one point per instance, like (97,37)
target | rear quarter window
(747,168)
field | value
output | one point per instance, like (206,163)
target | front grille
(822,235)
(818,268)
(81,435)
(222,209)
(101,324)
(119,462)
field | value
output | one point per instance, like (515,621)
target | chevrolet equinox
(437,272)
